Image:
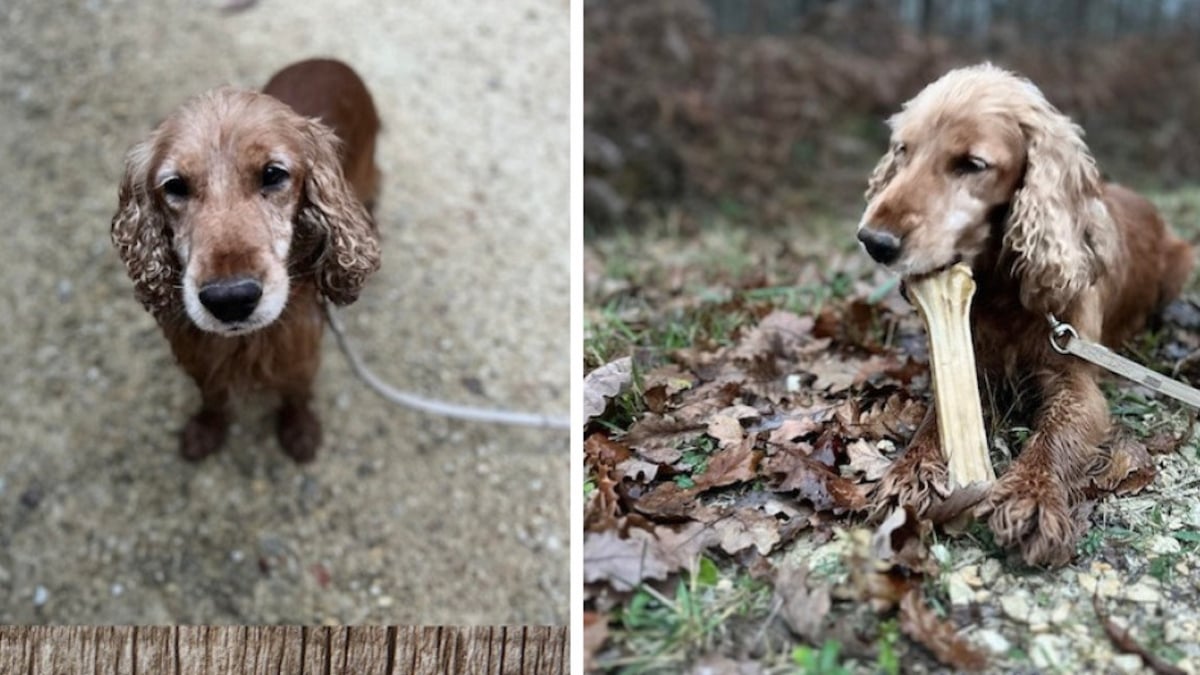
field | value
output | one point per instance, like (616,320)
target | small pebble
(1127,663)
(992,641)
(1016,607)
(1143,591)
(1046,651)
(117,589)
(40,596)
(1162,544)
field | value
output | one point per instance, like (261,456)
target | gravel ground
(403,517)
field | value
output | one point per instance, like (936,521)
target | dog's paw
(299,432)
(1031,510)
(203,435)
(918,479)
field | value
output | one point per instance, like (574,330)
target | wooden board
(282,650)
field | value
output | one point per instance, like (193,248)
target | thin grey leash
(434,406)
(1106,358)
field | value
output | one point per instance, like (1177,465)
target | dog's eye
(273,176)
(175,186)
(968,164)
(899,149)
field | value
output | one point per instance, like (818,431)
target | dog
(236,216)
(983,170)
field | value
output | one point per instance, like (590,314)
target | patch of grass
(979,532)
(1133,410)
(624,409)
(695,459)
(614,334)
(888,660)
(1097,537)
(823,661)
(1162,567)
(661,634)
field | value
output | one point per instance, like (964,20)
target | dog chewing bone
(944,300)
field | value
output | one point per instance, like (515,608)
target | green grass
(663,633)
(823,661)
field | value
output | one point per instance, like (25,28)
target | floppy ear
(142,238)
(1059,231)
(345,234)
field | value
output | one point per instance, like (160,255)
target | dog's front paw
(918,479)
(1030,509)
(203,435)
(299,432)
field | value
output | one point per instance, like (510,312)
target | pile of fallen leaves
(740,451)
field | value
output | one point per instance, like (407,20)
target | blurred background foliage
(767,112)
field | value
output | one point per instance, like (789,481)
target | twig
(429,405)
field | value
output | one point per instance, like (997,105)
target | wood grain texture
(283,650)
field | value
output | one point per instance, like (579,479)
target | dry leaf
(595,634)
(737,464)
(900,540)
(743,528)
(623,562)
(779,332)
(600,450)
(604,383)
(681,546)
(813,481)
(1126,468)
(922,624)
(667,501)
(866,459)
(802,608)
(897,418)
(834,375)
(793,430)
(637,470)
(727,430)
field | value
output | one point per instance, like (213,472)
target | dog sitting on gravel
(237,214)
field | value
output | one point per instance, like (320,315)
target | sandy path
(403,518)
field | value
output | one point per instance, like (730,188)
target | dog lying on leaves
(982,169)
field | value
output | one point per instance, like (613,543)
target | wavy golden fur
(235,216)
(983,169)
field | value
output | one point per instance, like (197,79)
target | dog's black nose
(231,300)
(884,247)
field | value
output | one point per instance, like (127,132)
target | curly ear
(883,173)
(347,236)
(1059,231)
(140,234)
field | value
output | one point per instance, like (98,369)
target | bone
(944,300)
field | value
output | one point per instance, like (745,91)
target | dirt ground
(403,518)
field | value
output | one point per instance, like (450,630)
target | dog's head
(980,158)
(229,199)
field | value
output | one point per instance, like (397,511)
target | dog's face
(228,177)
(949,180)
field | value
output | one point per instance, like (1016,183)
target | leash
(1113,362)
(429,405)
